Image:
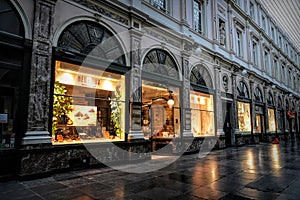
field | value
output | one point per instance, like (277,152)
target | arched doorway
(244,110)
(14,57)
(259,127)
(201,102)
(89,92)
(160,98)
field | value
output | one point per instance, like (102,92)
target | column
(252,90)
(135,128)
(235,124)
(185,97)
(265,96)
(40,80)
(218,102)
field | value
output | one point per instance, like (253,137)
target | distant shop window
(244,112)
(201,102)
(202,114)
(244,117)
(271,113)
(89,105)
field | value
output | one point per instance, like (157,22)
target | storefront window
(202,114)
(244,117)
(89,105)
(160,115)
(272,125)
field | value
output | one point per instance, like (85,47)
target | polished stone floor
(263,171)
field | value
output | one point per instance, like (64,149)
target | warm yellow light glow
(66,78)
(170,103)
(107,85)
(202,101)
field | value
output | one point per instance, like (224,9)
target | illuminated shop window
(244,117)
(271,115)
(201,102)
(160,110)
(202,114)
(88,106)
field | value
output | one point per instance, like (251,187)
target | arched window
(270,100)
(242,90)
(279,104)
(160,62)
(201,102)
(201,77)
(86,37)
(258,95)
(9,20)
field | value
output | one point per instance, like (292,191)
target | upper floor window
(272,33)
(161,4)
(267,62)
(282,73)
(252,11)
(254,52)
(198,16)
(280,41)
(277,71)
(239,43)
(264,22)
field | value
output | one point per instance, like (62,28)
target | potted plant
(115,116)
(62,106)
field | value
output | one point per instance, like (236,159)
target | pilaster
(40,80)
(186,111)
(234,104)
(135,130)
(218,101)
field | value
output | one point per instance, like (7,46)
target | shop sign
(3,118)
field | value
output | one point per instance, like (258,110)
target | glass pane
(202,114)
(9,21)
(89,105)
(159,117)
(244,117)
(272,124)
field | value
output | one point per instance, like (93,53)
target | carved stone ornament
(93,6)
(225,82)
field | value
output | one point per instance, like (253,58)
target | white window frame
(252,10)
(239,42)
(255,52)
(201,13)
(157,4)
(267,61)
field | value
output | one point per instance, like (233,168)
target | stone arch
(200,76)
(270,99)
(90,38)
(243,90)
(160,61)
(10,19)
(258,95)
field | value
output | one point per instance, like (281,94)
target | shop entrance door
(259,123)
(7,136)
(227,127)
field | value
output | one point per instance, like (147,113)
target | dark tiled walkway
(263,171)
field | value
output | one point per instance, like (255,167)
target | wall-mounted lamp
(170,102)
(244,72)
(290,95)
(273,86)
